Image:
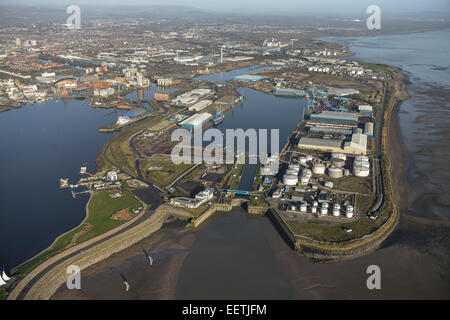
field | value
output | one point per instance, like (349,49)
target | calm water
(40,144)
(425,118)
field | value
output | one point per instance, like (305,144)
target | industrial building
(196,120)
(200,105)
(368,128)
(341,118)
(326,145)
(290,92)
(358,144)
(131,115)
(366,109)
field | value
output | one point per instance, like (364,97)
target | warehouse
(368,128)
(200,105)
(358,144)
(131,115)
(366,109)
(345,118)
(195,121)
(326,145)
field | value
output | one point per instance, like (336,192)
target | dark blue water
(39,145)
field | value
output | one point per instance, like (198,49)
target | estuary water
(424,119)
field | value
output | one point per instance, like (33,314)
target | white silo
(319,168)
(334,172)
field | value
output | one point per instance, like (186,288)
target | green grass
(364,203)
(101,208)
(334,233)
(354,184)
(373,66)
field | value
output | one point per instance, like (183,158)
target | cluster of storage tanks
(291,176)
(361,166)
(325,208)
(336,210)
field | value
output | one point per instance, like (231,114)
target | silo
(338,155)
(292,172)
(361,172)
(319,168)
(334,172)
(349,212)
(290,180)
(338,162)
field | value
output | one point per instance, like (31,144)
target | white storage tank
(337,162)
(324,211)
(336,212)
(293,208)
(319,168)
(290,180)
(315,204)
(337,206)
(314,210)
(335,172)
(309,157)
(303,207)
(361,163)
(338,156)
(325,205)
(292,172)
(361,158)
(346,172)
(349,212)
(302,160)
(294,166)
(361,172)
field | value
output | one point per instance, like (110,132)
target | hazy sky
(272,6)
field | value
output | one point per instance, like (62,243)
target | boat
(4,276)
(219,117)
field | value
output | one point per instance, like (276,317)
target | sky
(271,6)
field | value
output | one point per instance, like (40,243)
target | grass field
(101,208)
(335,233)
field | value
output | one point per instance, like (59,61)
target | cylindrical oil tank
(325,205)
(361,158)
(338,155)
(315,204)
(361,172)
(290,180)
(324,211)
(334,172)
(293,208)
(303,207)
(302,160)
(294,166)
(346,172)
(338,162)
(319,168)
(349,215)
(314,210)
(337,206)
(336,213)
(292,172)
(361,163)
